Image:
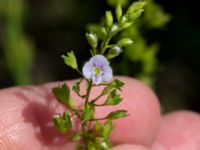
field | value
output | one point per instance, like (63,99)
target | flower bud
(92,39)
(125,42)
(126,25)
(109,18)
(103,32)
(136,6)
(118,12)
(113,52)
(114,28)
(123,20)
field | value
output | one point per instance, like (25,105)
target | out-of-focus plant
(17,48)
(140,53)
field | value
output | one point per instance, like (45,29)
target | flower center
(97,70)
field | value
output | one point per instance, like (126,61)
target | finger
(179,131)
(26,120)
(26,117)
(129,147)
(141,125)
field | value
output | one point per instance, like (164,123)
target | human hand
(26,120)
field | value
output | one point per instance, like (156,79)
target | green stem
(94,100)
(85,122)
(105,44)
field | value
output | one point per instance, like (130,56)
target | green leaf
(91,146)
(107,128)
(76,87)
(113,98)
(125,42)
(70,60)
(77,136)
(98,127)
(116,84)
(62,94)
(117,114)
(63,123)
(88,113)
(104,130)
(109,18)
(118,12)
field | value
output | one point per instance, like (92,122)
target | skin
(183,128)
(26,119)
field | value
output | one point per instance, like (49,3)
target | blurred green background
(165,54)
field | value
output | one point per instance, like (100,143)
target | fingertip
(143,122)
(179,130)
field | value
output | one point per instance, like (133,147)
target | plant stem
(105,44)
(85,122)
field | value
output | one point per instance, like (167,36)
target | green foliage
(114,3)
(18,48)
(116,84)
(141,52)
(113,52)
(70,60)
(63,95)
(117,114)
(92,39)
(113,98)
(76,87)
(125,42)
(88,114)
(109,18)
(63,123)
(104,130)
(118,12)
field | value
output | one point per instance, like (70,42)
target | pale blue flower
(97,69)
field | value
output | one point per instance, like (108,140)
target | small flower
(97,69)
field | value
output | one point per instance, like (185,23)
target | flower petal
(98,61)
(107,74)
(96,79)
(87,70)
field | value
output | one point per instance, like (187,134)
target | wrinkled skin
(26,120)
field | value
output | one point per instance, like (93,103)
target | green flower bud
(109,18)
(118,12)
(70,60)
(123,20)
(114,28)
(103,32)
(92,39)
(126,25)
(125,42)
(113,52)
(136,6)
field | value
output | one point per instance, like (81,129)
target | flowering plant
(93,134)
